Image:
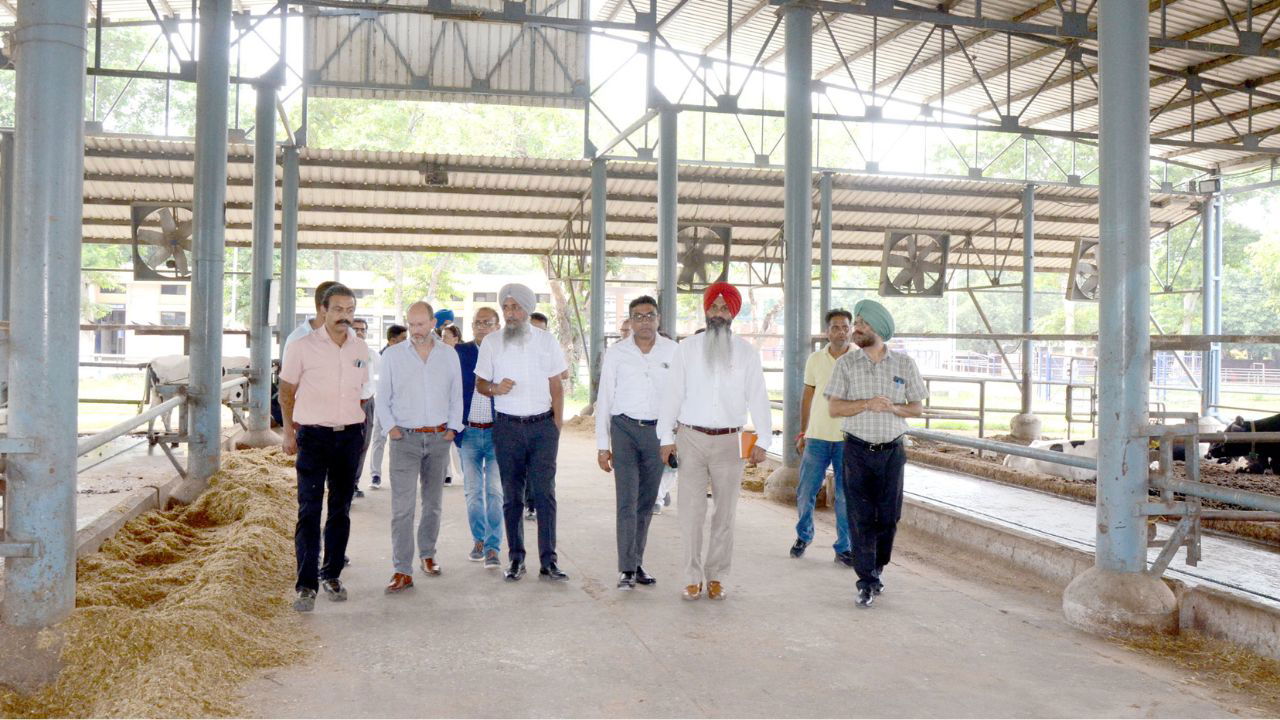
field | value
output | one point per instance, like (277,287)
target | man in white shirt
(361,326)
(520,368)
(632,378)
(314,323)
(715,380)
(421,390)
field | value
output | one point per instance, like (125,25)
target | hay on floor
(180,607)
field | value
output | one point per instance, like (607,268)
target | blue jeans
(818,454)
(482,485)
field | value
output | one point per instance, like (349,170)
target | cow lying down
(1082,448)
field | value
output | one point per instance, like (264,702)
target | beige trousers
(715,460)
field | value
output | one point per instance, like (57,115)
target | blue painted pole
(288,243)
(668,225)
(204,396)
(598,219)
(1124,310)
(824,218)
(1028,288)
(797,219)
(259,432)
(48,205)
(1208,298)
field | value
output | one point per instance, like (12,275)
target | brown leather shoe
(692,592)
(430,566)
(715,591)
(399,582)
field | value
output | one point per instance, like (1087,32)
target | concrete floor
(787,643)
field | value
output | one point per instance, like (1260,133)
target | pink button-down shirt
(330,378)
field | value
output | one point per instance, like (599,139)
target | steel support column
(1028,287)
(598,200)
(210,189)
(668,224)
(6,253)
(259,432)
(288,243)
(48,167)
(797,219)
(1117,593)
(824,219)
(1211,301)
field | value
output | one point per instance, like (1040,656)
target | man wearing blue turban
(874,389)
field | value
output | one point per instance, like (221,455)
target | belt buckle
(339,428)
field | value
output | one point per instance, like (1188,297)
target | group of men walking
(661,404)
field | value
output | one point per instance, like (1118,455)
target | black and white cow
(1260,455)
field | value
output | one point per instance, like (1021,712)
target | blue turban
(874,314)
(443,317)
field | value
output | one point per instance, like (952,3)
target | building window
(110,341)
(543,298)
(178,319)
(484,297)
(173,289)
(362,293)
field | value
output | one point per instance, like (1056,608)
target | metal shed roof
(393,201)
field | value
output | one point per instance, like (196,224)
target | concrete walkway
(787,643)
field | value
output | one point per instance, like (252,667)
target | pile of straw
(181,607)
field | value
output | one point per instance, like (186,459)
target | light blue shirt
(412,393)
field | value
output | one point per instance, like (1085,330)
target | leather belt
(873,447)
(326,428)
(432,429)
(713,431)
(525,418)
(480,426)
(637,421)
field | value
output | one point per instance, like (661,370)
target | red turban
(722,289)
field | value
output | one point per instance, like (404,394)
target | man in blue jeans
(821,442)
(482,483)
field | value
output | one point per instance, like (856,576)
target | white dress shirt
(631,383)
(698,395)
(375,362)
(414,394)
(530,364)
(300,332)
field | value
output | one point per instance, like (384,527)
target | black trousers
(873,495)
(324,454)
(637,472)
(527,458)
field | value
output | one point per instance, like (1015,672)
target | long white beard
(515,333)
(717,349)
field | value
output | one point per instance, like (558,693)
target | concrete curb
(1213,612)
(152,497)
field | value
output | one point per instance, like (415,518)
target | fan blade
(151,237)
(158,255)
(918,280)
(930,267)
(166,220)
(902,278)
(1086,268)
(899,261)
(180,260)
(1088,285)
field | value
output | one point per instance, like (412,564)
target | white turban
(523,296)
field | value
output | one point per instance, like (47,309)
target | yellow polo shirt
(817,371)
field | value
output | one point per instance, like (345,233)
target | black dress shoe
(626,580)
(551,572)
(514,572)
(865,597)
(845,558)
(877,587)
(644,578)
(798,548)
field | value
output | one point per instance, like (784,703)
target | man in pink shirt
(321,381)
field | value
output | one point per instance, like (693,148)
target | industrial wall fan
(1082,281)
(161,242)
(914,263)
(704,256)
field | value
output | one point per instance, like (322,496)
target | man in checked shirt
(874,389)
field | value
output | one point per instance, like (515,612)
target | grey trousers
(418,461)
(376,449)
(715,460)
(637,472)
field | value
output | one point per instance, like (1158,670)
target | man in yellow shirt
(820,442)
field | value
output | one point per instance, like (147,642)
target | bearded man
(521,370)
(714,381)
(874,389)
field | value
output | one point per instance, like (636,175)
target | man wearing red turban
(714,382)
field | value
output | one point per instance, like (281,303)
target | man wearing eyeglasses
(482,483)
(632,379)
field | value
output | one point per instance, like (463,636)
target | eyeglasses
(644,317)
(484,323)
